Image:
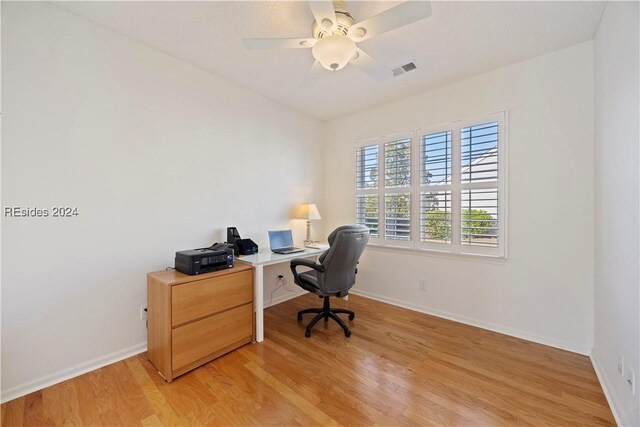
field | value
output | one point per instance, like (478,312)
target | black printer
(204,260)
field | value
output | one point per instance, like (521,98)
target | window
(435,187)
(397,187)
(441,188)
(384,204)
(367,160)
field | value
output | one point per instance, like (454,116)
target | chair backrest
(346,245)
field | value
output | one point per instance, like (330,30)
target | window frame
(455,186)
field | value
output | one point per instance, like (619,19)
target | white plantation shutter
(479,185)
(397,164)
(367,167)
(435,158)
(367,204)
(397,196)
(435,216)
(442,189)
(397,216)
(480,217)
(479,153)
(435,189)
(367,212)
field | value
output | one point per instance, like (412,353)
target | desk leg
(258,301)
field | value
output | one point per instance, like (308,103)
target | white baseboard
(608,392)
(83,368)
(74,371)
(474,322)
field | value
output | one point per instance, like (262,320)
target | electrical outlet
(422,284)
(631,380)
(621,364)
(143,312)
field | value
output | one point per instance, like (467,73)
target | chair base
(326,313)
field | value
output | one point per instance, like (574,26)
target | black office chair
(334,275)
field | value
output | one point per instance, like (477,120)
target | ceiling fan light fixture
(334,52)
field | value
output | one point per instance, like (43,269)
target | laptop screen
(280,239)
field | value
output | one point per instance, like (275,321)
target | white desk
(258,261)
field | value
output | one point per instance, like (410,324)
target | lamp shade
(307,211)
(334,52)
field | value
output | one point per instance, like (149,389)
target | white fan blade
(324,13)
(310,80)
(370,66)
(396,17)
(253,44)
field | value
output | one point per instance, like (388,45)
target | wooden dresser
(194,319)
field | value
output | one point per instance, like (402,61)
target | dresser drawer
(207,336)
(195,300)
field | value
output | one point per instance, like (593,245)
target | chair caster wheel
(307,333)
(299,317)
(352,316)
(347,333)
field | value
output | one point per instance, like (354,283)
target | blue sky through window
(476,142)
(479,155)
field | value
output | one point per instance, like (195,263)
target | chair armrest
(307,263)
(296,262)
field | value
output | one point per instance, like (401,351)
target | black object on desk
(247,247)
(240,246)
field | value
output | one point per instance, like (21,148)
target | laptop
(281,242)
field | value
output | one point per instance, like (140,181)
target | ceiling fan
(335,34)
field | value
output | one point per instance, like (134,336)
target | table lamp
(307,211)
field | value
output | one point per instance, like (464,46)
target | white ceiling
(459,40)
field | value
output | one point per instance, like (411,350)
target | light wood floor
(398,368)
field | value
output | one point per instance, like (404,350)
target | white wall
(157,155)
(617,235)
(544,291)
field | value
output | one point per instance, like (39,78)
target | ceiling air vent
(404,69)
